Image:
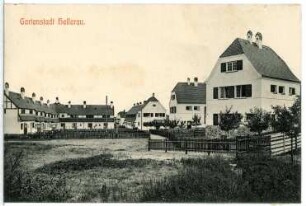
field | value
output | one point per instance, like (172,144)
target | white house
(187,100)
(249,74)
(148,111)
(25,115)
(74,116)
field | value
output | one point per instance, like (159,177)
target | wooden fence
(194,145)
(84,134)
(272,144)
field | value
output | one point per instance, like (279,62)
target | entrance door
(25,129)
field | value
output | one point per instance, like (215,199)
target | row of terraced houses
(247,74)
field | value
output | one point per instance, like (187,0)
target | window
(89,116)
(159,114)
(21,126)
(146,114)
(4,111)
(196,108)
(62,115)
(90,125)
(273,89)
(227,92)
(63,125)
(172,110)
(215,93)
(22,111)
(152,115)
(244,91)
(281,90)
(215,119)
(173,97)
(154,105)
(188,108)
(36,113)
(31,111)
(231,66)
(33,125)
(291,91)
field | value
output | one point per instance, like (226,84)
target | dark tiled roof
(28,103)
(135,109)
(89,110)
(130,118)
(265,60)
(190,94)
(122,114)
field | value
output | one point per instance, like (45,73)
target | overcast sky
(130,51)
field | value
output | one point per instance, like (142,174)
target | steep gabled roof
(265,60)
(190,94)
(28,103)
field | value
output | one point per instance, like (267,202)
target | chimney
(258,37)
(196,81)
(22,91)
(7,86)
(250,36)
(41,100)
(112,104)
(56,100)
(188,81)
(33,97)
(69,104)
(48,102)
(106,100)
(153,94)
(84,104)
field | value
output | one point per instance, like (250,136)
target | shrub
(229,120)
(22,186)
(258,120)
(213,132)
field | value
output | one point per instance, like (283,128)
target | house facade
(187,100)
(26,115)
(141,113)
(249,74)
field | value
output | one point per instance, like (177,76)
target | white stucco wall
(261,94)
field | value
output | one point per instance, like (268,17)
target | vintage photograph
(141,103)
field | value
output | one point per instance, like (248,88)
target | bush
(22,186)
(213,132)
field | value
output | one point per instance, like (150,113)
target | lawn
(123,170)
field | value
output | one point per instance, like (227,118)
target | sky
(128,52)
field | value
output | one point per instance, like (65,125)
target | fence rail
(174,134)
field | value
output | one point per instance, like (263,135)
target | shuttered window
(215,93)
(223,67)
(239,65)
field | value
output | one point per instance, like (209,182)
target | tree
(171,123)
(182,124)
(196,120)
(258,120)
(288,121)
(229,120)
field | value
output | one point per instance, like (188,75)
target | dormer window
(231,66)
(173,97)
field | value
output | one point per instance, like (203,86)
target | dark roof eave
(288,80)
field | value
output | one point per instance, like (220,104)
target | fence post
(186,150)
(149,144)
(166,148)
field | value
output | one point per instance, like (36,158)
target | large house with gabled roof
(188,99)
(249,74)
(141,113)
(26,115)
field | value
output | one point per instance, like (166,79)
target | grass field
(122,170)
